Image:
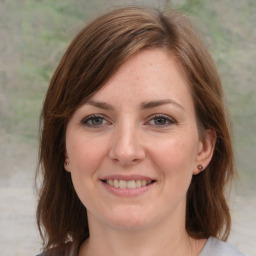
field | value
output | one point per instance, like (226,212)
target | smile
(128,183)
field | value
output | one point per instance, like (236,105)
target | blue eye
(94,121)
(161,120)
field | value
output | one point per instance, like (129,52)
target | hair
(92,58)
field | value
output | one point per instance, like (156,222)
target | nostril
(126,149)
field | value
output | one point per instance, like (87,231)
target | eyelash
(168,120)
(92,118)
(88,121)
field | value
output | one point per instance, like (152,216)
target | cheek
(84,153)
(176,154)
(175,161)
(86,159)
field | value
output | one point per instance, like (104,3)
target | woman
(135,148)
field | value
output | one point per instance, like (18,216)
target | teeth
(131,184)
(128,184)
(138,183)
(143,183)
(116,183)
(122,184)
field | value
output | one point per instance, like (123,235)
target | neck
(164,239)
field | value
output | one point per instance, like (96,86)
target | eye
(94,121)
(160,120)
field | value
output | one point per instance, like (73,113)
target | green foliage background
(35,33)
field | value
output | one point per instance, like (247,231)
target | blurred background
(33,36)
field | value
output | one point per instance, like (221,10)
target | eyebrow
(156,103)
(144,105)
(99,104)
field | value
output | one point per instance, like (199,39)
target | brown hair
(92,58)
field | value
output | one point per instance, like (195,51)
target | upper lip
(126,177)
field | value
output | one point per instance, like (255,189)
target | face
(134,146)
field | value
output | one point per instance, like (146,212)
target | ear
(67,163)
(205,151)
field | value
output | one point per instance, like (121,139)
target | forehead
(149,73)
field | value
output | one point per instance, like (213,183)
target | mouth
(130,184)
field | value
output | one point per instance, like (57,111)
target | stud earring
(67,163)
(200,167)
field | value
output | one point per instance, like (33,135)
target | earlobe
(66,166)
(67,163)
(205,152)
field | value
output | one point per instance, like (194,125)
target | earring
(200,167)
(67,163)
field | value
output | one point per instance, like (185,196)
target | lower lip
(128,192)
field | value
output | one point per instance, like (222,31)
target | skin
(145,124)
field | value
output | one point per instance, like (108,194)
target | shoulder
(216,247)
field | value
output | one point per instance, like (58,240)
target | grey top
(213,247)
(216,247)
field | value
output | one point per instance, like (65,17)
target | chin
(129,220)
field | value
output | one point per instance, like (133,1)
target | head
(92,59)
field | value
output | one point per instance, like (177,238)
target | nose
(126,146)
